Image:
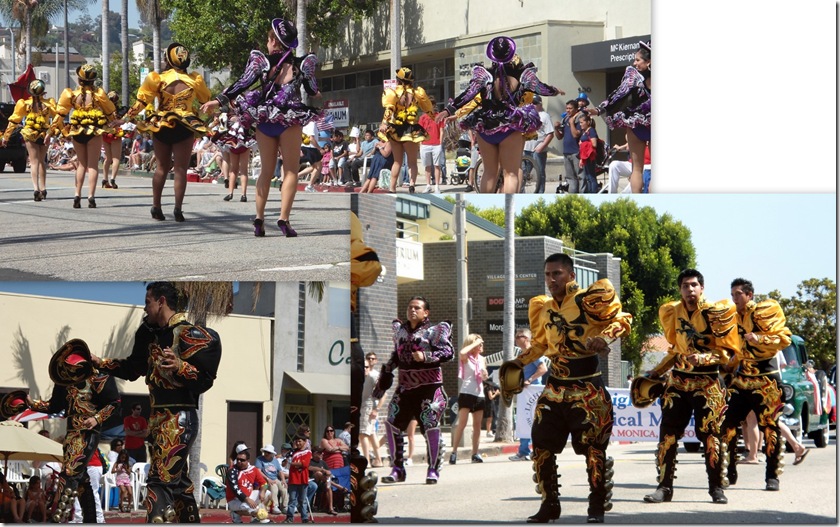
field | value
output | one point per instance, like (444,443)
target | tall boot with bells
(434,453)
(717,461)
(666,460)
(599,469)
(545,476)
(394,437)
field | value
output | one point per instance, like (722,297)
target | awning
(322,383)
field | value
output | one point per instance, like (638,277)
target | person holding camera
(568,131)
(472,370)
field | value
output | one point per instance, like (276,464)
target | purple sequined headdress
(501,49)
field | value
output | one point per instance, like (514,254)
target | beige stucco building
(277,371)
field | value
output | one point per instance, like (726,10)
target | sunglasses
(241,460)
(330,430)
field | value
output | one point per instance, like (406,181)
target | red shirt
(249,480)
(432,128)
(135,424)
(95,461)
(300,475)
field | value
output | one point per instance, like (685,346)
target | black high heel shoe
(228,197)
(114,183)
(286,229)
(157,214)
(37,195)
(179,216)
(44,194)
(91,203)
(77,202)
(106,183)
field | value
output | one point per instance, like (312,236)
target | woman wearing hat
(501,113)
(277,110)
(112,143)
(35,113)
(629,107)
(91,112)
(174,125)
(401,123)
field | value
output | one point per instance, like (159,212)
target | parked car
(14,152)
(807,403)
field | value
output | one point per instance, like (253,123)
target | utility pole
(302,39)
(461,268)
(66,50)
(396,34)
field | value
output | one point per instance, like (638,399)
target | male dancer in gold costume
(702,338)
(572,327)
(757,382)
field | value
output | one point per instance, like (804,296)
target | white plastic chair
(140,471)
(16,473)
(205,499)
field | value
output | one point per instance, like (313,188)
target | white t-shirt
(471,385)
(545,129)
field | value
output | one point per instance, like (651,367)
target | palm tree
(204,301)
(124,42)
(106,60)
(504,427)
(32,16)
(152,13)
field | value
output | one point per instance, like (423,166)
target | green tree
(812,314)
(653,250)
(218,40)
(492,214)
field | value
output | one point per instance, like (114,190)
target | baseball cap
(537,99)
(241,448)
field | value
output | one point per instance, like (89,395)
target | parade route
(119,240)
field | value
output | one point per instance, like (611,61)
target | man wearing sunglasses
(251,487)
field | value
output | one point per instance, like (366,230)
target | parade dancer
(573,327)
(756,384)
(420,348)
(276,108)
(702,338)
(35,115)
(179,361)
(112,144)
(502,112)
(629,107)
(89,397)
(174,125)
(92,113)
(400,124)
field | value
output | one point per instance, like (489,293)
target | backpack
(600,152)
(215,491)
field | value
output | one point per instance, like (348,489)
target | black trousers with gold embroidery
(582,409)
(169,489)
(73,481)
(701,395)
(762,395)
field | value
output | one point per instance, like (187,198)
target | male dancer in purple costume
(420,347)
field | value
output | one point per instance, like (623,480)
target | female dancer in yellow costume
(175,123)
(39,113)
(400,124)
(91,113)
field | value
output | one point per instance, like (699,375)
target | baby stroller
(463,160)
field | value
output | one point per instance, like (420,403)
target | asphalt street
(500,490)
(119,240)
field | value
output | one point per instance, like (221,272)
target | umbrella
(19,443)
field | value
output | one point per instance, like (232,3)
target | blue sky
(94,9)
(775,240)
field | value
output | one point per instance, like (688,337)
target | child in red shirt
(298,480)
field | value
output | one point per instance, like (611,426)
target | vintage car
(807,402)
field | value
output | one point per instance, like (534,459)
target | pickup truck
(14,152)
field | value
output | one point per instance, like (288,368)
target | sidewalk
(222,516)
(487,447)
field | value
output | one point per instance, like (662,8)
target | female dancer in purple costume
(629,107)
(500,117)
(278,112)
